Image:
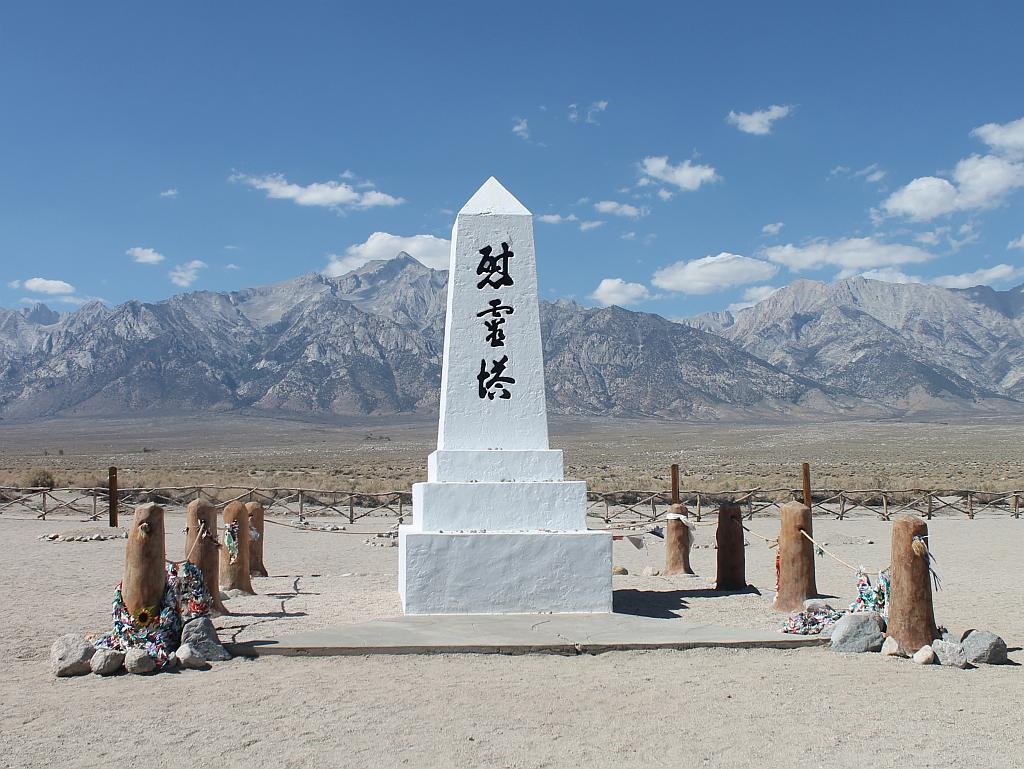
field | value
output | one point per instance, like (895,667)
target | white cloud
(557,218)
(617,291)
(428,250)
(574,113)
(871,174)
(886,275)
(847,253)
(1016,243)
(186,274)
(145,255)
(47,286)
(619,209)
(665,194)
(14,284)
(520,128)
(231,248)
(592,225)
(712,273)
(330,194)
(686,175)
(922,199)
(596,109)
(978,181)
(773,229)
(231,266)
(1005,138)
(170,193)
(758,122)
(628,236)
(752,296)
(982,277)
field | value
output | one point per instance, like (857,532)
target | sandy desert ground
(390,454)
(700,708)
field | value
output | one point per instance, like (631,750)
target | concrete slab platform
(517,634)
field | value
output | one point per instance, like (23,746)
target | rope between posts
(854,569)
(771,542)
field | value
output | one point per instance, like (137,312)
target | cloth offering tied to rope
(231,539)
(158,629)
(870,597)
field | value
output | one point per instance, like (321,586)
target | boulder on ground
(892,648)
(70,655)
(138,662)
(949,653)
(190,658)
(983,647)
(924,656)
(201,636)
(858,632)
(106,662)
(620,570)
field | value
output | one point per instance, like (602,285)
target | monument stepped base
(504,572)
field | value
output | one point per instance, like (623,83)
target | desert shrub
(40,479)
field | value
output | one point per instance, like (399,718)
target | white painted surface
(496,530)
(505,572)
(553,505)
(467,421)
(495,466)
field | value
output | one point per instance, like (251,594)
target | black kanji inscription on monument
(494,267)
(495,332)
(492,381)
(496,310)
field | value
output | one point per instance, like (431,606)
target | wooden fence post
(675,484)
(698,507)
(911,615)
(885,507)
(805,471)
(234,566)
(732,568)
(796,558)
(112,496)
(43,516)
(842,505)
(256,512)
(970,506)
(929,513)
(1015,506)
(204,552)
(677,542)
(351,508)
(302,505)
(142,585)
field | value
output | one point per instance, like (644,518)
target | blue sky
(680,158)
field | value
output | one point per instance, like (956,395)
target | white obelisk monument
(496,528)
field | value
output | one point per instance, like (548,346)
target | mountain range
(369,343)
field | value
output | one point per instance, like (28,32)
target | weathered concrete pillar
(145,575)
(677,542)
(234,564)
(732,565)
(256,566)
(201,547)
(796,558)
(911,614)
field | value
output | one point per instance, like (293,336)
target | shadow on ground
(665,604)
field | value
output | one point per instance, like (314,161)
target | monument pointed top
(492,198)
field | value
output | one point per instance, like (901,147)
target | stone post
(234,566)
(677,542)
(796,558)
(256,566)
(203,551)
(732,567)
(145,576)
(911,615)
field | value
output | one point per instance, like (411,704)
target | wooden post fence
(806,472)
(112,496)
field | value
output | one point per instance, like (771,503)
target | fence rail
(630,506)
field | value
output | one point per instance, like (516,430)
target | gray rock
(650,571)
(138,662)
(816,604)
(892,648)
(620,570)
(924,656)
(949,653)
(70,655)
(201,635)
(858,632)
(190,658)
(984,647)
(106,662)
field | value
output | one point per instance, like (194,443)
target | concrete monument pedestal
(496,528)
